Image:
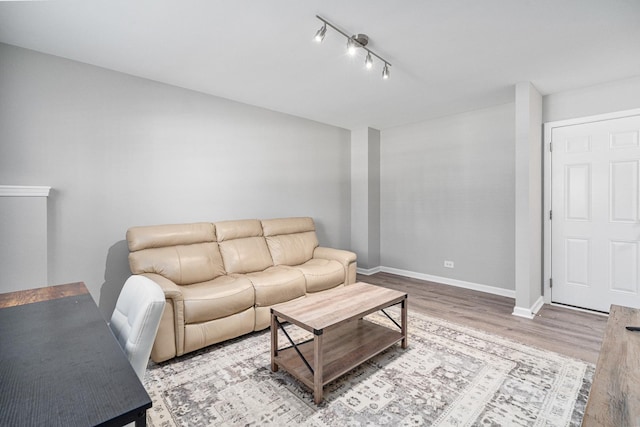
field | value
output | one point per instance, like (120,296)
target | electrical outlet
(448,264)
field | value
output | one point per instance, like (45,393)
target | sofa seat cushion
(321,274)
(277,284)
(217,298)
(200,335)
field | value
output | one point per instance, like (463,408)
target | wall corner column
(365,198)
(528,200)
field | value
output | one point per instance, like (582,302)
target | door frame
(546,189)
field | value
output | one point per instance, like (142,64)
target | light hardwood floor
(563,330)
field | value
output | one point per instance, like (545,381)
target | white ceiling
(448,56)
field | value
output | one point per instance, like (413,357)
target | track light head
(368,63)
(321,33)
(351,46)
(385,72)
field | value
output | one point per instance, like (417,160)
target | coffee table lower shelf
(344,348)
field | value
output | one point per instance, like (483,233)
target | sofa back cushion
(160,236)
(291,241)
(183,253)
(243,246)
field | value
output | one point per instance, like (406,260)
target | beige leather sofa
(221,279)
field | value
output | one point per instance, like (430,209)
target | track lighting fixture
(353,43)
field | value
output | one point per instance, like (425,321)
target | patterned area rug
(450,375)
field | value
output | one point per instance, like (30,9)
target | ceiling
(446,56)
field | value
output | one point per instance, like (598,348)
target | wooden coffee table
(342,339)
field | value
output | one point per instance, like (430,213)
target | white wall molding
(24,191)
(23,230)
(369,271)
(529,313)
(445,281)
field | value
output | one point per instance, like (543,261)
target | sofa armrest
(170,289)
(169,341)
(348,260)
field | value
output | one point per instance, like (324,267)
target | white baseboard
(444,280)
(529,313)
(535,308)
(369,271)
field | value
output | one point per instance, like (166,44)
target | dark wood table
(60,364)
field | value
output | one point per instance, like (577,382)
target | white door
(595,224)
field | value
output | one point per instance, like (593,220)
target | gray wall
(120,151)
(447,193)
(448,186)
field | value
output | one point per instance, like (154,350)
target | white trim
(546,207)
(529,313)
(522,312)
(535,308)
(24,191)
(583,310)
(548,128)
(595,118)
(369,271)
(452,282)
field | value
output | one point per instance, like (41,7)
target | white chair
(136,318)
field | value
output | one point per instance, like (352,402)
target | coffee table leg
(274,342)
(317,367)
(403,320)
